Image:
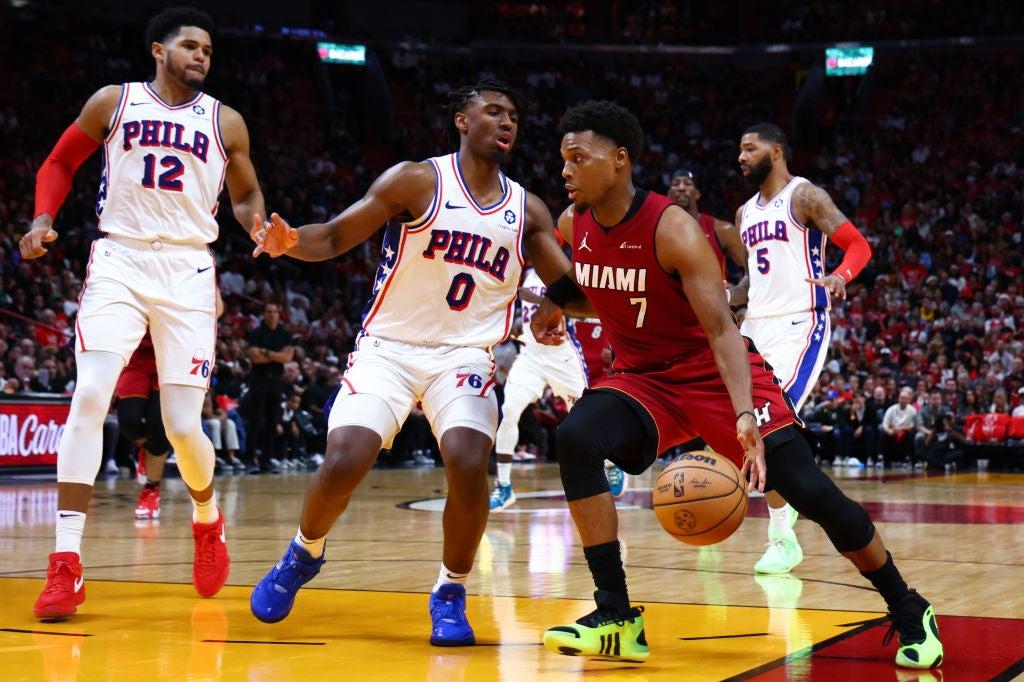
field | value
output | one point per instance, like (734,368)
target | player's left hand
(835,284)
(547,324)
(277,238)
(749,437)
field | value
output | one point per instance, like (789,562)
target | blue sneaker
(616,479)
(502,497)
(448,611)
(272,598)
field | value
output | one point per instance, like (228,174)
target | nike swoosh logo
(79,581)
(66,516)
(223,538)
(135,104)
(796,322)
(448,204)
(204,269)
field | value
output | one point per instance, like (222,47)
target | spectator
(944,445)
(270,347)
(898,425)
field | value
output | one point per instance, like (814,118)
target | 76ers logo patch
(200,364)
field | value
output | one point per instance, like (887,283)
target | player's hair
(772,133)
(609,120)
(684,173)
(169,22)
(459,99)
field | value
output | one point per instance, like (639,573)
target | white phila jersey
(781,255)
(163,168)
(450,277)
(533,283)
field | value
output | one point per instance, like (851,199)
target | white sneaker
(783,555)
(853,462)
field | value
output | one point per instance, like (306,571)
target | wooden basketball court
(959,539)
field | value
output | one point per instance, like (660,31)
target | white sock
(505,473)
(70,525)
(314,547)
(205,512)
(447,576)
(778,520)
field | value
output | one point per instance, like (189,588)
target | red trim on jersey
(115,120)
(165,105)
(465,190)
(434,209)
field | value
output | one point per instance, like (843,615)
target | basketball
(700,498)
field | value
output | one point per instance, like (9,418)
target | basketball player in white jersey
(784,228)
(168,150)
(537,365)
(445,291)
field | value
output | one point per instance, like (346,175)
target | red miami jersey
(647,318)
(707,223)
(592,339)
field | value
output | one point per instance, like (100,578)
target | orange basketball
(700,498)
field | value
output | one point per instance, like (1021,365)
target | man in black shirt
(270,346)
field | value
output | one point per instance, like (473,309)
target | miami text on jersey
(611,277)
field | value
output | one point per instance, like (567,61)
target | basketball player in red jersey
(723,235)
(682,371)
(168,150)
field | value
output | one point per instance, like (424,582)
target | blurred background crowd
(923,153)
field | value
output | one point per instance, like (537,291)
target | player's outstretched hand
(31,245)
(547,325)
(277,238)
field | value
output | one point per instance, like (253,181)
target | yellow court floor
(958,539)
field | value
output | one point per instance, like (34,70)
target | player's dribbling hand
(546,324)
(277,238)
(753,469)
(31,245)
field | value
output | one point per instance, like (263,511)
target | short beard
(759,173)
(186,79)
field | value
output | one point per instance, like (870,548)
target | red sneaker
(140,468)
(211,564)
(65,587)
(149,504)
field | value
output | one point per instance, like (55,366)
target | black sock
(605,562)
(888,581)
(153,486)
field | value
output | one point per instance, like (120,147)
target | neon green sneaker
(913,618)
(782,556)
(604,634)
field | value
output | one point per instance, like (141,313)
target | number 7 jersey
(450,277)
(163,168)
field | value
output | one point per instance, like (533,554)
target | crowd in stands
(923,154)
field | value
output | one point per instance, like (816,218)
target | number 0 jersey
(163,168)
(451,276)
(781,255)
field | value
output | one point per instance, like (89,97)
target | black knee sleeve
(131,418)
(794,475)
(156,437)
(601,426)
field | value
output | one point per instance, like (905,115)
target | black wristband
(746,412)
(563,290)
